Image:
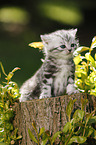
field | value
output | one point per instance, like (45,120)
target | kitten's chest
(63,73)
(61,78)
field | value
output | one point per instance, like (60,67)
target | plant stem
(69,136)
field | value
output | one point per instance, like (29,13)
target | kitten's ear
(44,39)
(74,31)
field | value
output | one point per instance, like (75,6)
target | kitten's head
(61,42)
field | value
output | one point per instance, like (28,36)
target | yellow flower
(37,45)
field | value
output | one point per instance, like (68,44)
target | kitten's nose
(69,50)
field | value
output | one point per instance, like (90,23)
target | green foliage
(85,69)
(9,94)
(77,130)
(43,136)
(14,15)
(72,14)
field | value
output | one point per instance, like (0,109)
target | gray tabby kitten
(55,76)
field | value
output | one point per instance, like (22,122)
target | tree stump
(49,113)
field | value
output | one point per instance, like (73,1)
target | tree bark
(49,113)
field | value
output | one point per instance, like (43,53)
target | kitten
(56,75)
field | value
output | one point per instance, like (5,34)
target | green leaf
(3,69)
(6,105)
(83,75)
(66,127)
(80,129)
(94,134)
(90,58)
(80,85)
(42,130)
(95,56)
(32,136)
(45,137)
(89,85)
(55,136)
(80,49)
(83,103)
(79,114)
(93,92)
(1,104)
(10,75)
(93,45)
(15,69)
(34,126)
(1,139)
(92,120)
(77,139)
(1,129)
(88,131)
(77,59)
(44,141)
(69,107)
(19,137)
(89,115)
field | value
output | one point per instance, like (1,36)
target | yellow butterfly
(37,45)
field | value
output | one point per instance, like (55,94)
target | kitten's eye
(73,45)
(63,46)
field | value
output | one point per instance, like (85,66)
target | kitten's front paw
(44,96)
(71,89)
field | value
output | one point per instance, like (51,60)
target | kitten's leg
(46,88)
(71,87)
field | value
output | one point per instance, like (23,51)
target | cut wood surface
(49,113)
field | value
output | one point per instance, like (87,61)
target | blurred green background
(22,22)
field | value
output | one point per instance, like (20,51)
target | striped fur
(56,75)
